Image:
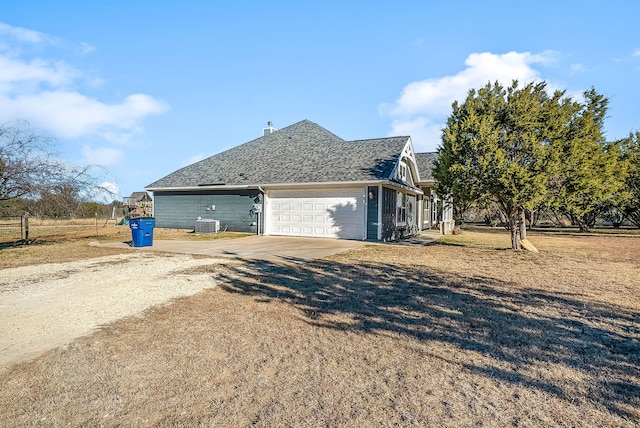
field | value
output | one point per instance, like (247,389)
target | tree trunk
(515,231)
(523,224)
(534,216)
(584,228)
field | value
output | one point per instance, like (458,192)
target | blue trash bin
(142,231)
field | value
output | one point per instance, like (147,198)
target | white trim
(407,159)
(274,186)
(213,187)
(285,186)
(266,207)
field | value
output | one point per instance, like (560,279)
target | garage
(317,213)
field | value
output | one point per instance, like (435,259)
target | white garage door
(327,214)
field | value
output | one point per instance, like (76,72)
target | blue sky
(146,87)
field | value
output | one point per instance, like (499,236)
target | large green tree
(590,175)
(500,145)
(630,203)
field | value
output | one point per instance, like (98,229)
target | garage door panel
(338,214)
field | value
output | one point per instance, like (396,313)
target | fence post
(26,228)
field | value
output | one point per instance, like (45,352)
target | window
(403,172)
(402,209)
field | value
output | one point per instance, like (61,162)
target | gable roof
(140,196)
(425,165)
(301,153)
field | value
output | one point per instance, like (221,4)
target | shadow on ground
(515,327)
(16,244)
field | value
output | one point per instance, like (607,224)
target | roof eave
(288,185)
(212,187)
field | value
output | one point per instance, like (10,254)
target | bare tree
(29,167)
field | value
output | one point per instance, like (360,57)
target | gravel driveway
(43,307)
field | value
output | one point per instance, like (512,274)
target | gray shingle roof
(425,163)
(301,153)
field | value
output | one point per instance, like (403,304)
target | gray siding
(179,210)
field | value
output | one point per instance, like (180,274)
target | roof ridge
(381,138)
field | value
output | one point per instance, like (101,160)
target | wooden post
(26,228)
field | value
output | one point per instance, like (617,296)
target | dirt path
(46,306)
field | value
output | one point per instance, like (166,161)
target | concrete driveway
(271,248)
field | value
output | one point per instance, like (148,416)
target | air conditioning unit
(207,225)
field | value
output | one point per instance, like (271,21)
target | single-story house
(303,180)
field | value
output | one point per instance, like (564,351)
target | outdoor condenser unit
(207,225)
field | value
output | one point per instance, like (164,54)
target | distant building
(139,204)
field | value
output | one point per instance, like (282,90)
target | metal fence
(12,229)
(26,229)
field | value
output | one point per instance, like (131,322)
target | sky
(143,88)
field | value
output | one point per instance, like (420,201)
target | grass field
(64,241)
(460,333)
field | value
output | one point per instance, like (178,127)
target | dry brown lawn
(64,241)
(460,333)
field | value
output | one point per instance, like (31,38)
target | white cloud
(105,192)
(71,114)
(103,156)
(632,57)
(48,93)
(16,39)
(86,48)
(23,34)
(19,76)
(420,129)
(423,106)
(110,186)
(110,192)
(577,68)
